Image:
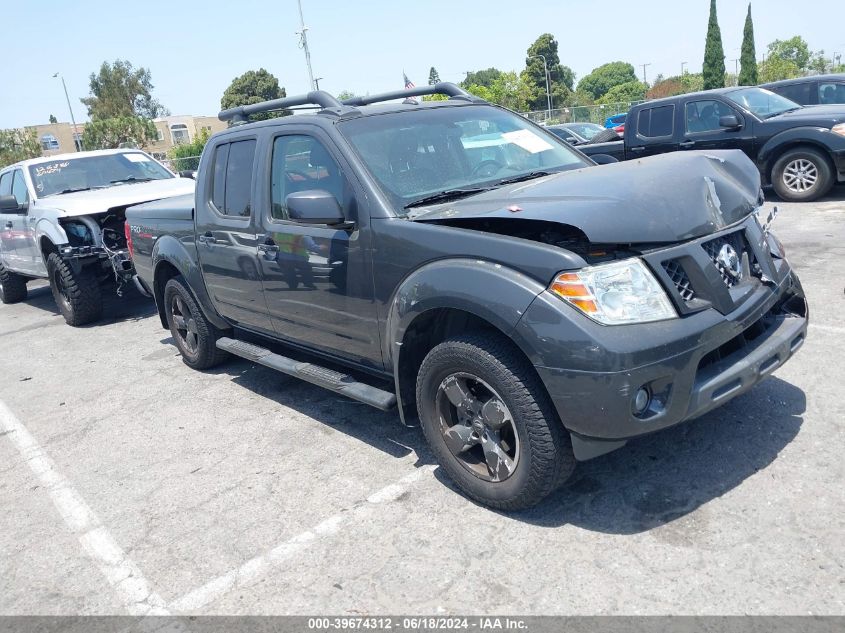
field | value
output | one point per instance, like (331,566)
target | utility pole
(546,73)
(645,81)
(303,44)
(72,119)
(317,81)
(736,71)
(682,67)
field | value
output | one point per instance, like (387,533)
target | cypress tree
(714,54)
(748,57)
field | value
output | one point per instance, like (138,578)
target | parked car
(816,90)
(63,220)
(799,150)
(615,120)
(582,133)
(527,307)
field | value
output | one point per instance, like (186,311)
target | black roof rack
(329,104)
(442,88)
(240,114)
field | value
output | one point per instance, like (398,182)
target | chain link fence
(579,114)
(184,163)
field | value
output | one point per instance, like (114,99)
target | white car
(62,218)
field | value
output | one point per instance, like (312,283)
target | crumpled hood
(666,198)
(101,200)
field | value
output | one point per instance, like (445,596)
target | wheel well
(797,145)
(165,271)
(47,247)
(425,332)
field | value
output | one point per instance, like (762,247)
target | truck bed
(611,148)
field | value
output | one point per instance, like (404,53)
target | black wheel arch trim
(169,250)
(813,137)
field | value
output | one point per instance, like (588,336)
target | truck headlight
(615,293)
(838,129)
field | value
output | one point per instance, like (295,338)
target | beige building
(58,138)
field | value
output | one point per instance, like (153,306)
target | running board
(335,381)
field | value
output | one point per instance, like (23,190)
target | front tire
(195,336)
(490,423)
(75,290)
(12,286)
(802,175)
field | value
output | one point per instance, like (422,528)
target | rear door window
(231,191)
(656,122)
(799,93)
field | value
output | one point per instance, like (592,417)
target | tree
(561,78)
(343,95)
(187,155)
(714,54)
(18,145)
(777,68)
(433,76)
(254,86)
(624,93)
(668,87)
(119,90)
(483,78)
(605,77)
(748,56)
(53,119)
(793,50)
(118,131)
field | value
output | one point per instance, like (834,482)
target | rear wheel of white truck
(195,336)
(490,422)
(76,290)
(12,286)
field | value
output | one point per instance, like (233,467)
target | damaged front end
(100,240)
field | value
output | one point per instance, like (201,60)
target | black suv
(816,90)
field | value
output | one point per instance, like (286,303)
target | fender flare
(172,251)
(809,135)
(497,294)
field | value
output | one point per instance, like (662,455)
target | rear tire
(195,336)
(508,416)
(802,175)
(76,291)
(12,286)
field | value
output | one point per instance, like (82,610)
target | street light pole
(682,67)
(303,44)
(546,73)
(736,71)
(317,82)
(72,119)
(645,81)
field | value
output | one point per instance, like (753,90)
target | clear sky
(195,49)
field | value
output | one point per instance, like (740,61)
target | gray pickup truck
(453,260)
(61,218)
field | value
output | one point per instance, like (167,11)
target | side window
(19,188)
(831,93)
(6,184)
(799,93)
(231,190)
(703,116)
(301,163)
(656,122)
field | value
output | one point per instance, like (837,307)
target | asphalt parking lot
(132,484)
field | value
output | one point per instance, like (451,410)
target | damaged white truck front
(62,219)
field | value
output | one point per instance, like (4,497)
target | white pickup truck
(62,219)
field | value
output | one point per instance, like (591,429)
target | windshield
(65,175)
(420,153)
(763,103)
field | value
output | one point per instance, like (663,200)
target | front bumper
(694,364)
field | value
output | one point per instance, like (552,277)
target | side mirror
(188,173)
(9,204)
(604,159)
(729,121)
(571,140)
(315,206)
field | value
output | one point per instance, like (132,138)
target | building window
(77,140)
(48,142)
(179,134)
(159,134)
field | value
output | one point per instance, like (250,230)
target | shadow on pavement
(834,195)
(131,306)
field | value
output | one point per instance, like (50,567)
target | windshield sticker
(527,140)
(53,168)
(136,158)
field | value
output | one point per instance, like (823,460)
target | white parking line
(132,588)
(262,564)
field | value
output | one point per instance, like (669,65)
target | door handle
(206,238)
(638,149)
(9,224)
(686,144)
